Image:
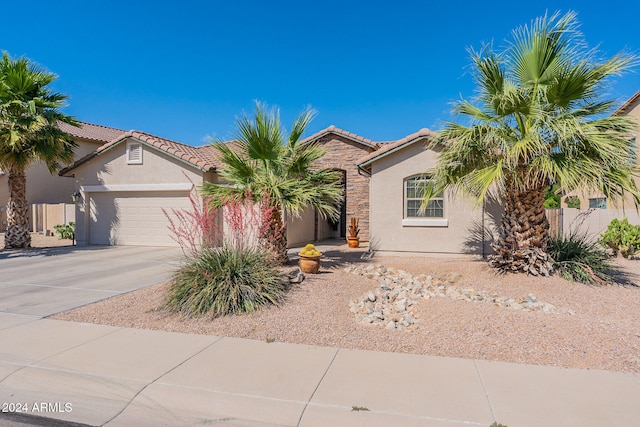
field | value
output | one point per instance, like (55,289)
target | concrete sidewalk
(104,375)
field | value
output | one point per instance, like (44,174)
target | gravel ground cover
(591,327)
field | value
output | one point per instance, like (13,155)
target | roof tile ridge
(160,138)
(101,126)
(335,129)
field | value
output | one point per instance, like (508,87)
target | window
(414,191)
(134,153)
(598,203)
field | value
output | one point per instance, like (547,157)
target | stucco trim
(421,222)
(182,186)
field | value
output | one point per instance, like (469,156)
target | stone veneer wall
(342,153)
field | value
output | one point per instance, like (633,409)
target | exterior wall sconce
(76,197)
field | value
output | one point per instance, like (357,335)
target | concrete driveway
(41,282)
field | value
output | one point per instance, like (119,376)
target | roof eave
(80,162)
(336,131)
(368,162)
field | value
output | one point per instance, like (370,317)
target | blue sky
(184,70)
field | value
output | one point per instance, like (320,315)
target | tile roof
(623,108)
(389,147)
(91,131)
(209,153)
(338,131)
(196,156)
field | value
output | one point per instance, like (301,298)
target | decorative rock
(296,276)
(391,325)
(389,304)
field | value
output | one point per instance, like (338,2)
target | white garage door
(133,218)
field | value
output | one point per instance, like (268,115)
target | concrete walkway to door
(41,282)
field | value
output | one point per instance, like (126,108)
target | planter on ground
(310,264)
(310,259)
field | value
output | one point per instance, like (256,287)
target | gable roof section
(628,103)
(392,147)
(91,132)
(194,156)
(348,135)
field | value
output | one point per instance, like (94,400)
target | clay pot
(353,242)
(310,264)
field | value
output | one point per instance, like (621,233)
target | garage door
(133,218)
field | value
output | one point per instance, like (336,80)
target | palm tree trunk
(522,246)
(275,235)
(17,234)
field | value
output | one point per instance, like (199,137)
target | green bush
(622,237)
(220,281)
(573,202)
(65,231)
(579,259)
(551,199)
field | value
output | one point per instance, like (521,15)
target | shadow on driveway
(52,251)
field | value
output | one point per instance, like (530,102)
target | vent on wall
(134,153)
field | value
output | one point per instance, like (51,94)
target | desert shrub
(622,237)
(580,259)
(65,231)
(226,280)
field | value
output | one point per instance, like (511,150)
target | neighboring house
(450,224)
(42,186)
(598,201)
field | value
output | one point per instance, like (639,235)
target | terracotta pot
(353,242)
(310,264)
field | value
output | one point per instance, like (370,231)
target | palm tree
(540,119)
(29,132)
(264,165)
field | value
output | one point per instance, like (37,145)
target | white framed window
(433,215)
(134,153)
(414,195)
(598,203)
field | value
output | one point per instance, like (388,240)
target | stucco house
(451,224)
(126,183)
(42,186)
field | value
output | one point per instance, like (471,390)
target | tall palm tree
(29,132)
(265,165)
(539,118)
